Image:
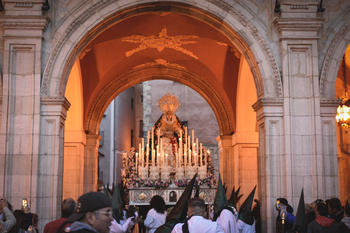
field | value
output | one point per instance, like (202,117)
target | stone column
(91,162)
(226,159)
(306,158)
(245,160)
(271,160)
(50,162)
(20,121)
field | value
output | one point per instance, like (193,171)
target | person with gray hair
(67,209)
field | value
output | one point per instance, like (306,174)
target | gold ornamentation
(202,195)
(160,42)
(160,62)
(168,103)
(142,196)
(82,55)
(232,49)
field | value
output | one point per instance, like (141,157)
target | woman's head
(20,221)
(158,204)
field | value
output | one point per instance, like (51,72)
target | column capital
(224,140)
(23,26)
(51,106)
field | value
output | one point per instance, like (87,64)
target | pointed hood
(197,192)
(300,218)
(179,212)
(106,192)
(231,201)
(116,205)
(245,210)
(220,201)
(225,188)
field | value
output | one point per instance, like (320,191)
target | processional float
(166,162)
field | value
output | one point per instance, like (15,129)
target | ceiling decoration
(160,62)
(160,42)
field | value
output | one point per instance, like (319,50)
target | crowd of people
(94,212)
(320,216)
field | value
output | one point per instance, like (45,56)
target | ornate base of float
(190,172)
(143,195)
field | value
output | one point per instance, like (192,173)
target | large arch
(119,84)
(77,32)
(332,60)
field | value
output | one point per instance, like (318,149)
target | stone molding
(18,22)
(330,102)
(263,102)
(98,6)
(300,24)
(266,48)
(330,53)
(56,101)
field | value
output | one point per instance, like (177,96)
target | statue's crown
(168,103)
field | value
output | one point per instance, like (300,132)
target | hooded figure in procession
(300,223)
(223,214)
(246,221)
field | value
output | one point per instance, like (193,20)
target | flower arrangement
(132,180)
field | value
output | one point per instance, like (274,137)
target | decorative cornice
(262,102)
(330,102)
(330,52)
(56,101)
(40,23)
(283,24)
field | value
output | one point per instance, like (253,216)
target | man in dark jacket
(334,209)
(322,224)
(344,225)
(92,215)
(67,209)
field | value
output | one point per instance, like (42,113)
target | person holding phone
(8,216)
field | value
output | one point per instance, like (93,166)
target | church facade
(270,71)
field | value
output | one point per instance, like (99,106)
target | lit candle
(140,154)
(154,158)
(197,146)
(185,134)
(201,155)
(185,155)
(189,158)
(142,158)
(142,151)
(158,155)
(176,156)
(192,139)
(136,158)
(158,137)
(152,139)
(180,142)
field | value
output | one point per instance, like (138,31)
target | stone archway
(230,21)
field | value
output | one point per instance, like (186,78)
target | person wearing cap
(196,221)
(92,215)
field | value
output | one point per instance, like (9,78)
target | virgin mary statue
(168,127)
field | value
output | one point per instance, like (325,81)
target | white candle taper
(201,154)
(136,158)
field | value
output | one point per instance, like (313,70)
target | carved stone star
(159,42)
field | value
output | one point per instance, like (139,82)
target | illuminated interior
(150,46)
